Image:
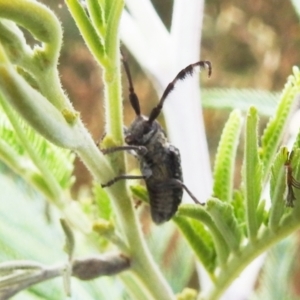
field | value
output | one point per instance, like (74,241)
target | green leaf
(199,240)
(58,161)
(277,189)
(238,205)
(14,42)
(97,15)
(297,141)
(39,162)
(198,213)
(223,216)
(87,30)
(261,213)
(140,192)
(274,131)
(40,113)
(103,202)
(252,173)
(225,158)
(111,38)
(242,99)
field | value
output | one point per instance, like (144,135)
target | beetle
(160,162)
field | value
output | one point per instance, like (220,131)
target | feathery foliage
(228,233)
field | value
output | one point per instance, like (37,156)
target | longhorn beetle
(159,160)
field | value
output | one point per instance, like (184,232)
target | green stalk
(87,30)
(113,105)
(112,39)
(39,20)
(50,86)
(112,77)
(35,108)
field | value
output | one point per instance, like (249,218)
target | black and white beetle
(159,160)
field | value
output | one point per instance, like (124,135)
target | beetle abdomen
(164,203)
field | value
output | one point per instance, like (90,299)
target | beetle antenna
(189,70)
(133,98)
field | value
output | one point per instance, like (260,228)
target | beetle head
(140,131)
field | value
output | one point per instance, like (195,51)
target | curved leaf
(225,158)
(275,129)
(252,173)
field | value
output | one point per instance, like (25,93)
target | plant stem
(113,104)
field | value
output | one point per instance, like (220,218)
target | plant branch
(249,252)
(21,275)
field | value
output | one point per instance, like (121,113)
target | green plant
(232,229)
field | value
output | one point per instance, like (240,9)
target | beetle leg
(140,149)
(191,195)
(122,177)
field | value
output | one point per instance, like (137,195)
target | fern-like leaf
(252,173)
(198,213)
(223,216)
(103,202)
(242,99)
(274,131)
(225,158)
(277,189)
(30,156)
(200,241)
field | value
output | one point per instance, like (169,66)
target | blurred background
(251,44)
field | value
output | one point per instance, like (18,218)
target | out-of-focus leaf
(222,98)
